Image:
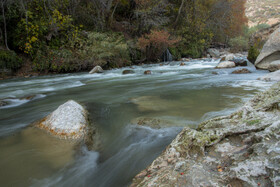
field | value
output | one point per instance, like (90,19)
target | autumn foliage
(155,43)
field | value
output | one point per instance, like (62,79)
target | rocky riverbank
(241,149)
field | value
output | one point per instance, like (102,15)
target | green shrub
(104,49)
(239,43)
(253,54)
(175,53)
(9,60)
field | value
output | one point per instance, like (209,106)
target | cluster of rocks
(241,149)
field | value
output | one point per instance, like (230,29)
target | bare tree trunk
(5,24)
(179,12)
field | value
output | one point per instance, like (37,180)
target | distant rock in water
(236,150)
(241,71)
(68,121)
(270,51)
(96,69)
(148,72)
(125,72)
(226,64)
(182,64)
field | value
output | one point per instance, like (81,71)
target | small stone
(182,64)
(148,72)
(125,72)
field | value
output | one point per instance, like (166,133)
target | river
(182,95)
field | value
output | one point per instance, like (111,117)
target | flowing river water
(181,95)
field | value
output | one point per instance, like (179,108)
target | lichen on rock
(241,149)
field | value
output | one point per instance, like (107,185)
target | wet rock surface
(241,71)
(241,149)
(125,72)
(148,72)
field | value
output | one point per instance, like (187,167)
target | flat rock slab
(241,149)
(68,121)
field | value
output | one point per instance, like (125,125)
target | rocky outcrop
(128,71)
(241,149)
(275,76)
(274,66)
(241,71)
(226,64)
(270,51)
(96,69)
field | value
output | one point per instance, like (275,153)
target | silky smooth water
(183,95)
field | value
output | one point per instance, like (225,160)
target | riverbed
(182,95)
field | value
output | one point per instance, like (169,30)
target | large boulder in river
(68,121)
(274,76)
(226,64)
(96,69)
(270,51)
(241,149)
(274,66)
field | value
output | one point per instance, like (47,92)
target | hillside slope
(260,11)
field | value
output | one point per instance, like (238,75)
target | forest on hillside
(75,35)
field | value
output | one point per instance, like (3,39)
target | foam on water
(14,102)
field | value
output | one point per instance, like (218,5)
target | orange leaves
(156,39)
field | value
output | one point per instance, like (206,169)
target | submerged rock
(241,149)
(182,64)
(226,64)
(96,69)
(241,71)
(158,122)
(125,72)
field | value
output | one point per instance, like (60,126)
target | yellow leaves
(33,39)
